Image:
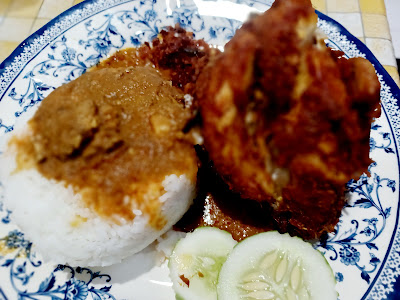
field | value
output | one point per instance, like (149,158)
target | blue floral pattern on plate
(364,248)
(22,265)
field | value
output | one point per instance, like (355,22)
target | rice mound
(52,217)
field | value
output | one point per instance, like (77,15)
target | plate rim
(29,41)
(395,90)
(12,59)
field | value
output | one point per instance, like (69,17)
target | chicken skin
(286,120)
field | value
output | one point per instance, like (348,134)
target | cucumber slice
(196,261)
(271,265)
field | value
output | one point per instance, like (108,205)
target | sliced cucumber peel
(196,261)
(270,266)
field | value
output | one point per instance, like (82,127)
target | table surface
(366,19)
(393,10)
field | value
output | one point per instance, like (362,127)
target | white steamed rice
(45,211)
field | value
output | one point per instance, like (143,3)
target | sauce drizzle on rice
(113,135)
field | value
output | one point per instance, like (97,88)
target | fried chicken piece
(217,206)
(175,52)
(286,120)
(179,55)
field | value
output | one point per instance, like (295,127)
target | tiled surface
(373,7)
(384,48)
(13,28)
(24,8)
(39,23)
(351,21)
(341,6)
(376,26)
(393,12)
(53,8)
(366,19)
(4,6)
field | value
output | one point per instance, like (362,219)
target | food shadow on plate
(130,268)
(144,261)
(133,266)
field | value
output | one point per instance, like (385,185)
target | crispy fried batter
(217,206)
(175,52)
(286,120)
(179,55)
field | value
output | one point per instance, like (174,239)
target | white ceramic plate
(364,251)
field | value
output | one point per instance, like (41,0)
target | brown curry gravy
(112,133)
(215,205)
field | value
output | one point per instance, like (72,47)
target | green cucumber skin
(329,274)
(332,274)
(179,297)
(219,260)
